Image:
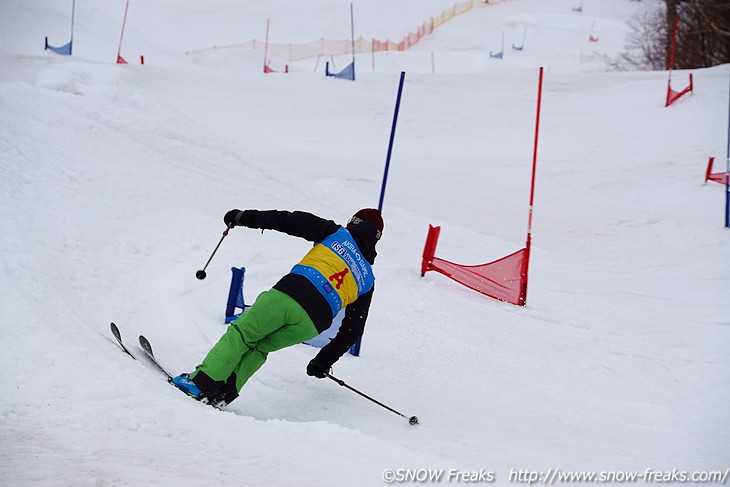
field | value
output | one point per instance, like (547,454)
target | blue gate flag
(347,73)
(65,49)
(235,295)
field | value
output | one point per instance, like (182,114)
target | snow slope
(115,179)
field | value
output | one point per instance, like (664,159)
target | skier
(336,273)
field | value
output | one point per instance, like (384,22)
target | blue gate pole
(392,137)
(352,31)
(73,16)
(727,166)
(355,349)
(727,200)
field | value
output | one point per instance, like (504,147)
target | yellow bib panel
(336,267)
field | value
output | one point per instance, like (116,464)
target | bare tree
(645,43)
(706,33)
(703,36)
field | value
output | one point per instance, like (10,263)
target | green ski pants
(274,321)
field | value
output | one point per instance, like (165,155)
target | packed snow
(114,180)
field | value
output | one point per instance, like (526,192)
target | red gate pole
(120,59)
(671,62)
(266,46)
(526,261)
(429,250)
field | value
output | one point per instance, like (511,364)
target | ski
(147,347)
(118,336)
(149,353)
(145,344)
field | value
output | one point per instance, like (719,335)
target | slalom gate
(349,71)
(673,95)
(120,59)
(504,279)
(66,49)
(267,67)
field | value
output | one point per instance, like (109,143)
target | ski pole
(412,420)
(201,273)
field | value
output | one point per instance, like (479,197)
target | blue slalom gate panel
(64,50)
(235,295)
(347,73)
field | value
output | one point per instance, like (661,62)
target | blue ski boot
(185,384)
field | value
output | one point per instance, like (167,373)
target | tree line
(703,36)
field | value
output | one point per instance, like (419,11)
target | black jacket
(315,229)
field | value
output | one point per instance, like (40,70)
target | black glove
(233,218)
(317,369)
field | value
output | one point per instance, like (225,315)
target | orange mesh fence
(331,47)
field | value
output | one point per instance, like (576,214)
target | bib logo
(339,277)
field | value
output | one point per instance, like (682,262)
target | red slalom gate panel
(504,279)
(673,96)
(268,69)
(718,177)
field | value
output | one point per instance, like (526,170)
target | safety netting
(331,47)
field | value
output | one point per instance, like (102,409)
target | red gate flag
(504,279)
(719,177)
